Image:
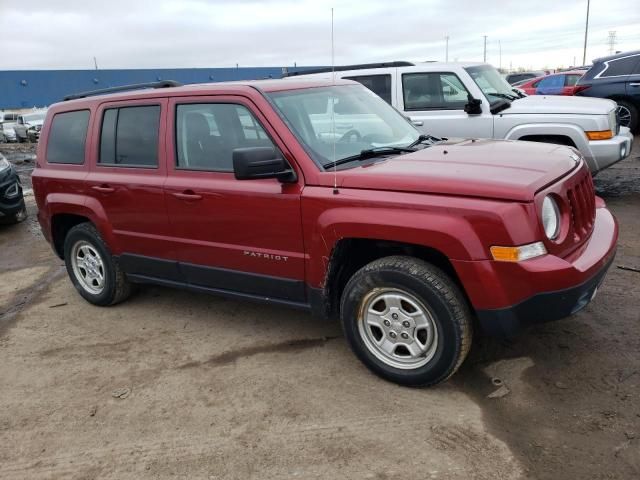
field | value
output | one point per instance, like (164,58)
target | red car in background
(562,83)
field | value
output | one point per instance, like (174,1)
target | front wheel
(406,320)
(627,115)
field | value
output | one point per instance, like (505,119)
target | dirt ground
(179,385)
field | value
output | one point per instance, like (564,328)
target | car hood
(558,104)
(507,170)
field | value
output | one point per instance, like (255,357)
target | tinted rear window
(621,66)
(129,136)
(67,137)
(378,84)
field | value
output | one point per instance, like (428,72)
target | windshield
(33,117)
(491,83)
(361,121)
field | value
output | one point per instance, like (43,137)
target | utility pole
(500,50)
(485,49)
(586,31)
(612,42)
(446,48)
(95,63)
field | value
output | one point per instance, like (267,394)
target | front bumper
(509,296)
(604,153)
(542,307)
(11,199)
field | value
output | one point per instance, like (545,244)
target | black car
(12,207)
(616,77)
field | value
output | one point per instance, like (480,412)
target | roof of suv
(266,86)
(616,56)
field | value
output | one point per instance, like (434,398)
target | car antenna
(333,106)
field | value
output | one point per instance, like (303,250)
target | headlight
(613,121)
(550,218)
(4,164)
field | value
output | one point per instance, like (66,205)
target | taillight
(580,88)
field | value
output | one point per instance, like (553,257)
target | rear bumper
(508,296)
(604,153)
(543,307)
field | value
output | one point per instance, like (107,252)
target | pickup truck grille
(583,206)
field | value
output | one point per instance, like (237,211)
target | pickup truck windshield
(361,121)
(33,117)
(489,80)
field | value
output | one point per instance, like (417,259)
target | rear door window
(551,84)
(67,137)
(378,84)
(129,136)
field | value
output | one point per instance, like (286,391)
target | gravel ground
(175,384)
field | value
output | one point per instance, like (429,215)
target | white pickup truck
(472,100)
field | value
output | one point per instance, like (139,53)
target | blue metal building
(39,88)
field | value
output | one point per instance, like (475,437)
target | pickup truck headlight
(4,164)
(550,217)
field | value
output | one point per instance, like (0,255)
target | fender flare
(81,205)
(431,228)
(574,132)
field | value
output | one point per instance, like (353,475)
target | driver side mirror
(473,106)
(261,162)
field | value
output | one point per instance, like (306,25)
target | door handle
(103,188)
(417,123)
(187,195)
(634,84)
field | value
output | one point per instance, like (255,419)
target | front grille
(582,202)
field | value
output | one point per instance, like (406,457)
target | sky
(68,34)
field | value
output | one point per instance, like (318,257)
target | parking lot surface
(181,385)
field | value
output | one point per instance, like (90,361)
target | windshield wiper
(504,95)
(519,93)
(368,153)
(424,138)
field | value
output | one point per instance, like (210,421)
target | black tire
(117,287)
(434,290)
(633,111)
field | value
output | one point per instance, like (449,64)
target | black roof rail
(342,68)
(123,88)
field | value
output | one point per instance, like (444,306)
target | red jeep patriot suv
(324,198)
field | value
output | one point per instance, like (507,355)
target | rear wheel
(406,320)
(94,272)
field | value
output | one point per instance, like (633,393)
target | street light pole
(446,55)
(485,49)
(586,30)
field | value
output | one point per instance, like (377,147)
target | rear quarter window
(378,84)
(620,66)
(67,137)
